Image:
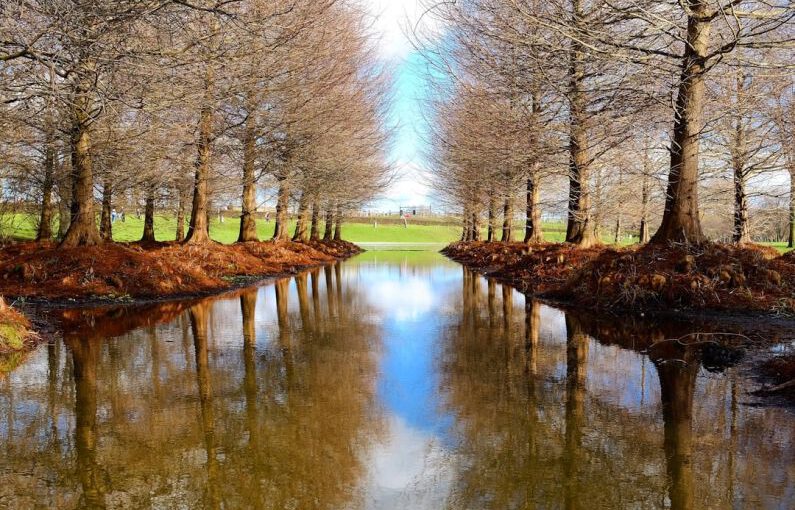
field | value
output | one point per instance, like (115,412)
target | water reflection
(85,356)
(677,389)
(390,381)
(578,422)
(251,400)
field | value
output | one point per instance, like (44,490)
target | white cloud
(393,20)
(406,300)
(409,470)
(392,23)
(411,187)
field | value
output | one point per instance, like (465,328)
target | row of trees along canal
(180,103)
(681,107)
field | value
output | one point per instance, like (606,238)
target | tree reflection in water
(576,367)
(678,371)
(198,323)
(267,398)
(580,420)
(85,356)
(238,402)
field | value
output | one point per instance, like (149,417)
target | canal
(396,379)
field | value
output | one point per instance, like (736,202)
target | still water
(393,380)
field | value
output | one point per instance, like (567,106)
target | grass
(13,330)
(782,247)
(23,226)
(12,337)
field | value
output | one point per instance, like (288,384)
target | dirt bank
(717,293)
(127,272)
(713,277)
(535,269)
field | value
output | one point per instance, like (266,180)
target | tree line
(179,104)
(669,115)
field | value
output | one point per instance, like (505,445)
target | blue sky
(392,17)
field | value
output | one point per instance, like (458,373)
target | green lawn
(23,226)
(782,247)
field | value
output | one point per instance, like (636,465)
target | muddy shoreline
(745,337)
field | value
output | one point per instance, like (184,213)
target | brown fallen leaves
(113,270)
(537,269)
(708,277)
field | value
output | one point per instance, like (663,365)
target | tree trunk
(64,201)
(149,216)
(740,233)
(338,225)
(791,240)
(83,225)
(596,212)
(106,216)
(475,226)
(299,235)
(281,220)
(492,219)
(681,221)
(507,221)
(180,234)
(209,216)
(248,224)
(643,235)
(532,232)
(314,231)
(45,216)
(465,225)
(617,233)
(199,227)
(579,230)
(328,232)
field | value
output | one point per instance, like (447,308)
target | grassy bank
(713,277)
(23,227)
(15,338)
(14,329)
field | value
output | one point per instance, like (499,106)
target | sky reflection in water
(394,380)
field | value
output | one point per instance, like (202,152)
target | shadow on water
(385,383)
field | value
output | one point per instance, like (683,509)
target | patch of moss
(12,337)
